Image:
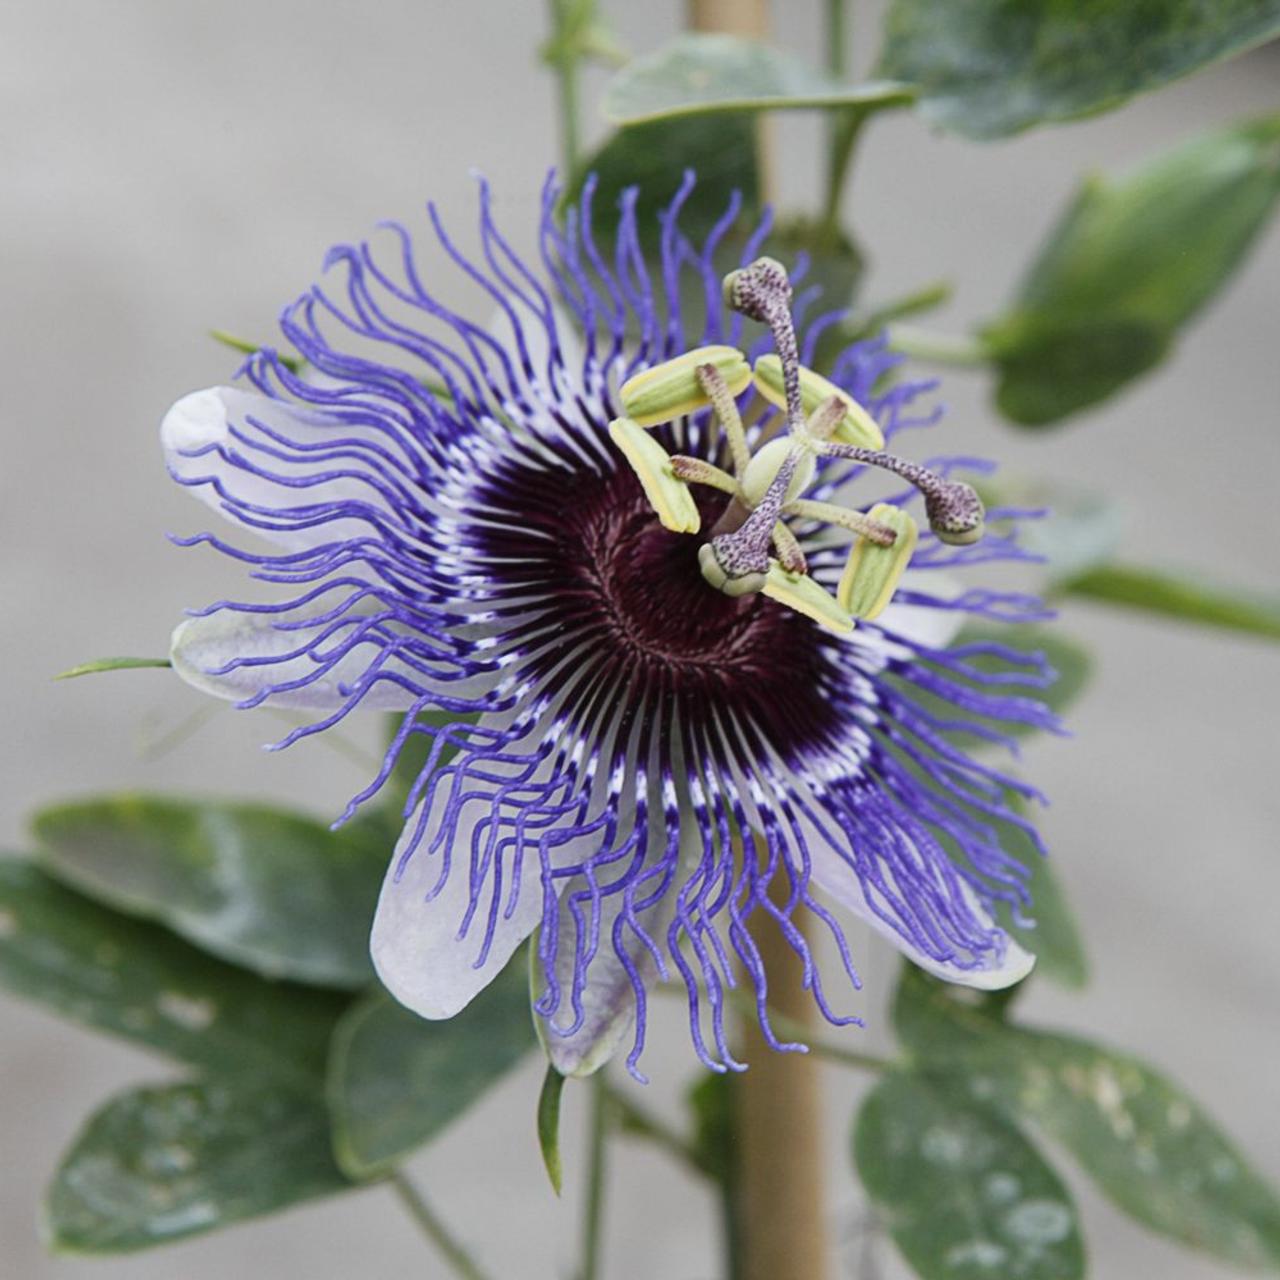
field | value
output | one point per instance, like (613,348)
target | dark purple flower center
(612,580)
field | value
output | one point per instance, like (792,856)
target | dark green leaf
(95,665)
(1128,264)
(158,1164)
(965,1195)
(397,1080)
(714,1132)
(988,68)
(273,891)
(1178,596)
(139,981)
(699,74)
(835,263)
(549,1126)
(653,158)
(1147,1145)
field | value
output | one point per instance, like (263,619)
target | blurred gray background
(168,166)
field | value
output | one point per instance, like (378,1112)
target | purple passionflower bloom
(638,768)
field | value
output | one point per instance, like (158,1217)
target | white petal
(202,421)
(415,945)
(838,879)
(832,874)
(201,647)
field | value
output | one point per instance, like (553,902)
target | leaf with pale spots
(157,1164)
(273,891)
(965,1195)
(1148,1147)
(138,981)
(397,1080)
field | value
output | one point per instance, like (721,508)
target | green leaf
(1129,263)
(397,1080)
(965,1195)
(989,68)
(653,158)
(549,1126)
(715,1135)
(138,981)
(95,665)
(700,74)
(835,262)
(272,891)
(1146,1144)
(157,1164)
(1178,596)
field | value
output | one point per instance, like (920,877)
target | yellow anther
(798,591)
(857,427)
(873,572)
(766,464)
(668,495)
(670,390)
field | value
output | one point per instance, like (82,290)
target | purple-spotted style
(450,533)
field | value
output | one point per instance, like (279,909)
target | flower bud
(872,573)
(669,390)
(668,495)
(857,427)
(798,591)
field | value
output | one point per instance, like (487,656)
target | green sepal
(549,1126)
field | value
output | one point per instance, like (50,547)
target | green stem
(845,128)
(565,67)
(938,348)
(460,1262)
(842,126)
(837,37)
(592,1232)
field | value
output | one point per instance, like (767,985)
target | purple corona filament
(449,534)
